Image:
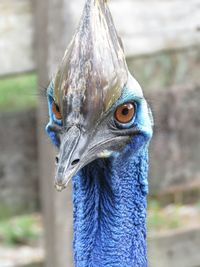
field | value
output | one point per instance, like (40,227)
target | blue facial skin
(52,118)
(109,195)
(142,120)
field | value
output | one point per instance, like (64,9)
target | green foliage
(198,205)
(154,219)
(20,230)
(5,211)
(18,92)
(158,220)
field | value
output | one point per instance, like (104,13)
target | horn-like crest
(93,71)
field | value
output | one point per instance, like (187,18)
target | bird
(102,125)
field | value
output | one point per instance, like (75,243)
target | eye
(56,111)
(125,113)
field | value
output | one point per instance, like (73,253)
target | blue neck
(110,212)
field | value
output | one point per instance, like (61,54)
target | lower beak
(67,164)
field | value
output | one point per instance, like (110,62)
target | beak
(66,161)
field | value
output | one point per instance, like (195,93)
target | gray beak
(66,161)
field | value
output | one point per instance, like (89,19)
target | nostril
(57,159)
(74,162)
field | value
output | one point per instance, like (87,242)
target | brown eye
(56,111)
(125,113)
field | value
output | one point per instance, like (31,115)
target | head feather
(93,71)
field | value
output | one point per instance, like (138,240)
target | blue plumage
(102,125)
(109,197)
(110,211)
(110,203)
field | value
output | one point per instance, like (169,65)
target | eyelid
(122,126)
(56,111)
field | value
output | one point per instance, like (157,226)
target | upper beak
(67,162)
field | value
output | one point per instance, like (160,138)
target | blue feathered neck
(110,210)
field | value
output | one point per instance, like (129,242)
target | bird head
(96,107)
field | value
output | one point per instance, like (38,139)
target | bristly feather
(110,212)
(92,82)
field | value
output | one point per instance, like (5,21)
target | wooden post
(54,28)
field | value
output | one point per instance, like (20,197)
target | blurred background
(162,44)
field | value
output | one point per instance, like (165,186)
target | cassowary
(102,125)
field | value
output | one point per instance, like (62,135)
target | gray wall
(16,36)
(18,163)
(146,27)
(175,148)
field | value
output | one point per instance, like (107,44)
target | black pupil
(57,108)
(125,111)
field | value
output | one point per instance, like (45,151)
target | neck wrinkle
(110,212)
